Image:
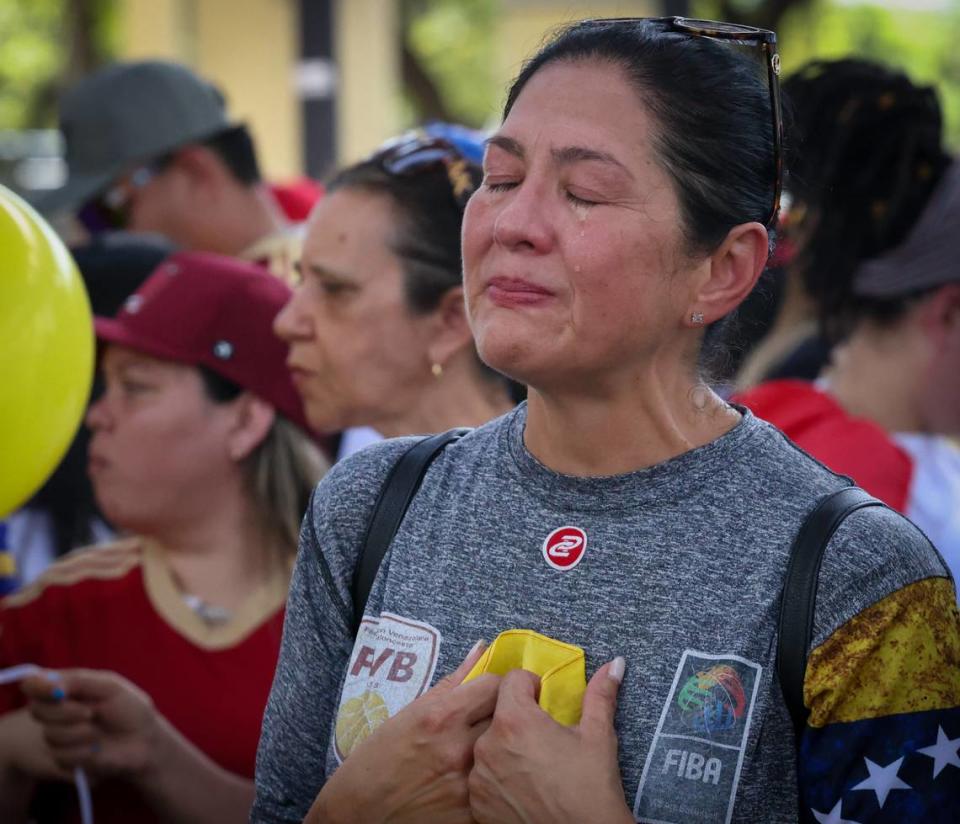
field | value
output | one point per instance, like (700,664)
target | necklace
(208,613)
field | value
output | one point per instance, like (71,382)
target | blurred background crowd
(272,97)
(323,82)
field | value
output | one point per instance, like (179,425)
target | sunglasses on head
(412,154)
(766,42)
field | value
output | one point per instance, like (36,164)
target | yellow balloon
(46,354)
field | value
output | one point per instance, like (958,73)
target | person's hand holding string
(96,720)
(106,725)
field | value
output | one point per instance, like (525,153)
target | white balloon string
(83,795)
(18,673)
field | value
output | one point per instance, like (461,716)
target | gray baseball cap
(929,257)
(125,114)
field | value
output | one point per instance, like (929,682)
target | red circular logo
(564,547)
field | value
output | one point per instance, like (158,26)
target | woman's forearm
(17,733)
(184,786)
(16,790)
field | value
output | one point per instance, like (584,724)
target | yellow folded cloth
(561,668)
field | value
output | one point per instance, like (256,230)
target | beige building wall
(524,24)
(250,48)
(370,83)
(247,47)
(367,54)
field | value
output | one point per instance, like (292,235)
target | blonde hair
(282,472)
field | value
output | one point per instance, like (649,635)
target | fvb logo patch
(693,767)
(563,548)
(392,663)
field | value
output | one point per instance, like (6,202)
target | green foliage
(35,50)
(30,33)
(921,43)
(453,40)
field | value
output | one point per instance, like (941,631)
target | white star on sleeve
(882,780)
(833,817)
(944,752)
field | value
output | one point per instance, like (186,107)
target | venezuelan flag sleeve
(882,743)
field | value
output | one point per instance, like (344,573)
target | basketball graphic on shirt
(358,718)
(563,548)
(712,700)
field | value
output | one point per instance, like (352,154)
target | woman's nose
(522,222)
(97,416)
(291,323)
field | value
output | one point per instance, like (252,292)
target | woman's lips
(298,375)
(96,464)
(505,291)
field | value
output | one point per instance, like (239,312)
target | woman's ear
(252,421)
(734,270)
(450,331)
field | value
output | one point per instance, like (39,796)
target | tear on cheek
(581,212)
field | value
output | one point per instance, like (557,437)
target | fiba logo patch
(564,547)
(694,764)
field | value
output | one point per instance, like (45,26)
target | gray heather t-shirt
(677,567)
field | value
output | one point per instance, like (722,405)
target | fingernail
(617,667)
(58,694)
(477,647)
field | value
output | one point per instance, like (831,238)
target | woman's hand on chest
(530,769)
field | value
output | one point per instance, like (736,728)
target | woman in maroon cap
(200,454)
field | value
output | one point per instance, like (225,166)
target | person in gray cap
(876,219)
(150,148)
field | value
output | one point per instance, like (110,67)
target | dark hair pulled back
(712,111)
(868,158)
(429,216)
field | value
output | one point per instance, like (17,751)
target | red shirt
(851,446)
(117,608)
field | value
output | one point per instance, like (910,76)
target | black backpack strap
(800,593)
(398,490)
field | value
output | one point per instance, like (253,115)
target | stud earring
(437,370)
(696,318)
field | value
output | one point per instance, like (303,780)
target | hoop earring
(696,318)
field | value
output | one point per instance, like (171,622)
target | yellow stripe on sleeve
(900,655)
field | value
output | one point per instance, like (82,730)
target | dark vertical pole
(676,8)
(317,82)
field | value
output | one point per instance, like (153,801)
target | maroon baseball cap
(215,311)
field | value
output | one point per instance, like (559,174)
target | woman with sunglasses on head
(624,509)
(377,330)
(163,644)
